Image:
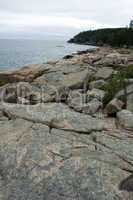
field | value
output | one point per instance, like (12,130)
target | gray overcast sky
(32,18)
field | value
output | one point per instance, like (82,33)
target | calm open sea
(17,53)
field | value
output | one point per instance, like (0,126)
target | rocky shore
(66,128)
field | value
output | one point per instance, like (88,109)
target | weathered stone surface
(27,73)
(104,73)
(76,99)
(96,94)
(11,92)
(56,113)
(97,84)
(2,117)
(51,151)
(36,165)
(19,92)
(92,107)
(129,96)
(125,118)
(30,93)
(113,59)
(87,108)
(89,103)
(71,76)
(114,106)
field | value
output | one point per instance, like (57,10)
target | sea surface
(18,53)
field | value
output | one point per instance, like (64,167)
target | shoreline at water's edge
(66,128)
(67,56)
(30,72)
(17,53)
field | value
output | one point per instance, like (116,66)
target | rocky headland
(116,37)
(66,128)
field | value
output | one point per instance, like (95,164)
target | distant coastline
(116,37)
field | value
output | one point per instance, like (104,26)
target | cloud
(72,15)
(26,20)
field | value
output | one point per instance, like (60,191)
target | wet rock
(68,57)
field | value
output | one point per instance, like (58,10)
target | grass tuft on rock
(117,82)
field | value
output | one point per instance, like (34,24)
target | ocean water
(18,53)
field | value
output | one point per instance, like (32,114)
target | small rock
(88,108)
(68,57)
(23,101)
(114,106)
(104,73)
(92,107)
(125,118)
(97,84)
(76,100)
(129,96)
(95,94)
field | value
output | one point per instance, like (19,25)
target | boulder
(92,107)
(92,59)
(125,118)
(66,77)
(19,92)
(97,84)
(129,96)
(45,113)
(31,93)
(114,106)
(104,73)
(95,94)
(27,73)
(11,92)
(87,108)
(76,99)
(83,103)
(3,117)
(68,57)
(130,102)
(113,59)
